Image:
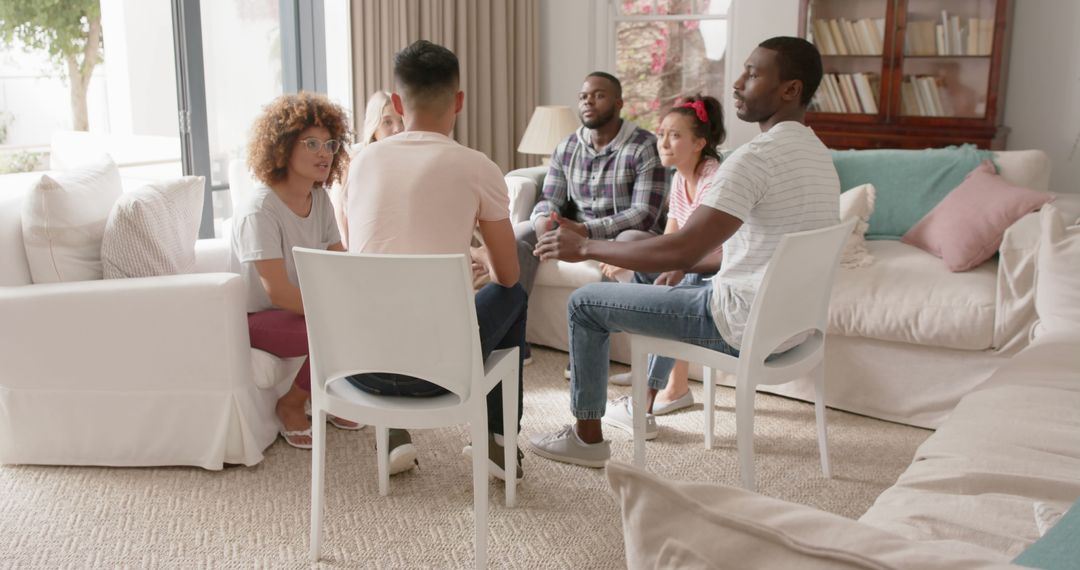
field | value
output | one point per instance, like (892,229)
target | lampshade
(549,125)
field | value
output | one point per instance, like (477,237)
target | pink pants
(282,333)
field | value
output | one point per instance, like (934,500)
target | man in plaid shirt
(604,179)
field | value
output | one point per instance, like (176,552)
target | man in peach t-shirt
(420,192)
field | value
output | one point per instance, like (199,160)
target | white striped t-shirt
(780,182)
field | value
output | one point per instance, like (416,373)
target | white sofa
(129,372)
(908,338)
(978,492)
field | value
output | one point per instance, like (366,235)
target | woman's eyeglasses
(314,145)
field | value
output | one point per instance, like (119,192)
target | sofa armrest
(523,193)
(126,334)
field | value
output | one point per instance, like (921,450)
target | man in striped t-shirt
(780,182)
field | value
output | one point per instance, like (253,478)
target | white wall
(1042,103)
(566,49)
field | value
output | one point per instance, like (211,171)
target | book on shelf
(949,37)
(840,36)
(922,96)
(847,93)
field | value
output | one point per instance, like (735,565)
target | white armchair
(126,372)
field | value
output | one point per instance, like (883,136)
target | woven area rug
(94,517)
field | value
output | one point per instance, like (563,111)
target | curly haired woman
(295,152)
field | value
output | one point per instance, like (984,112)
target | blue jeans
(500,314)
(662,364)
(599,309)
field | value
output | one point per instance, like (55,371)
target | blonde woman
(380,121)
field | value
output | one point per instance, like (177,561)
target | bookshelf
(909,73)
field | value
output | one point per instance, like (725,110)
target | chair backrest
(794,294)
(406,314)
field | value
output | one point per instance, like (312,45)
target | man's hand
(561,243)
(670,278)
(542,225)
(479,257)
(574,226)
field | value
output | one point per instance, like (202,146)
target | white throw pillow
(1057,277)
(152,231)
(63,221)
(734,528)
(857,203)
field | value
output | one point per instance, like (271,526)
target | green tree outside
(69,31)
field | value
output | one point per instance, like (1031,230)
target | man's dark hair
(797,59)
(614,81)
(426,72)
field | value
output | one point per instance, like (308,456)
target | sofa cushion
(966,227)
(152,231)
(567,274)
(857,203)
(668,524)
(63,221)
(1007,446)
(908,295)
(909,183)
(1057,278)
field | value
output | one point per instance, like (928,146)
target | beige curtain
(496,42)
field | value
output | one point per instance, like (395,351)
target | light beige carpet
(80,517)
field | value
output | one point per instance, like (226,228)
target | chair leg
(744,430)
(709,379)
(382,450)
(819,412)
(639,363)
(480,486)
(318,479)
(510,432)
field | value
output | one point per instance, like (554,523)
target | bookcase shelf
(936,77)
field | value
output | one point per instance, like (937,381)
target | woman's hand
(670,278)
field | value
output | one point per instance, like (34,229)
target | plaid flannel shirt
(622,187)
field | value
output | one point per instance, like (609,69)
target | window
(668,49)
(124,99)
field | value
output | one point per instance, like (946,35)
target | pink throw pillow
(966,227)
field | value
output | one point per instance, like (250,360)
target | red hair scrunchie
(699,109)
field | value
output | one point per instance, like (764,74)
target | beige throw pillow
(152,231)
(63,221)
(857,203)
(716,526)
(1057,275)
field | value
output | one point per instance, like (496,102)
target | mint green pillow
(1059,548)
(909,183)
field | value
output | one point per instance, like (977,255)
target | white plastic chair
(406,314)
(793,298)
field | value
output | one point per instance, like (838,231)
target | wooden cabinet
(909,73)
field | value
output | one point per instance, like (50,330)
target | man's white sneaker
(620,415)
(565,445)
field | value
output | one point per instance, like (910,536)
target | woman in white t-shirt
(687,141)
(380,121)
(295,151)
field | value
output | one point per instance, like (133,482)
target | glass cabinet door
(947,58)
(852,37)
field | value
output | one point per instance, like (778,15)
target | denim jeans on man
(664,364)
(500,314)
(599,309)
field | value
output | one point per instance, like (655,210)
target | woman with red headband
(687,141)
